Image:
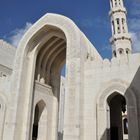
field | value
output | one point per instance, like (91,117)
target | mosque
(99,99)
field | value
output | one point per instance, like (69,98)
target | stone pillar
(112,27)
(55,83)
(54,134)
(121,26)
(113,3)
(72,102)
(121,1)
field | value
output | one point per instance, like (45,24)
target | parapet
(132,61)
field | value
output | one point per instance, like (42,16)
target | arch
(115,85)
(50,56)
(117,107)
(122,88)
(120,51)
(39,128)
(114,53)
(25,63)
(128,51)
(55,20)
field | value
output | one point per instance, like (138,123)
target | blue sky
(91,16)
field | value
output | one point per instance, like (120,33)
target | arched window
(128,51)
(115,3)
(114,53)
(121,51)
(118,25)
(119,2)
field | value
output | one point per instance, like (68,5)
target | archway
(117,87)
(26,73)
(50,56)
(117,109)
(39,131)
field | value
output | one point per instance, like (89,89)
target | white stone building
(98,99)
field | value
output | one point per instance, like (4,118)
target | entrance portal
(50,58)
(117,105)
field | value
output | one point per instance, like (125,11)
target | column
(113,3)
(113,28)
(121,1)
(121,25)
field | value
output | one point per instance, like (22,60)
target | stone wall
(99,76)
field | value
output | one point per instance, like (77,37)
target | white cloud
(134,25)
(17,34)
(135,41)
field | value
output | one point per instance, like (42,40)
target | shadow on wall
(60,136)
(135,88)
(106,135)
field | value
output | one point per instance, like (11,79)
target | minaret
(121,39)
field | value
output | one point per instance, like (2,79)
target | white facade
(88,103)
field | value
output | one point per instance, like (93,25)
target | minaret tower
(121,39)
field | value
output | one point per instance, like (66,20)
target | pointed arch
(49,30)
(112,88)
(39,128)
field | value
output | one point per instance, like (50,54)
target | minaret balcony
(124,36)
(117,9)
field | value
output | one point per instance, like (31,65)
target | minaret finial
(121,39)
